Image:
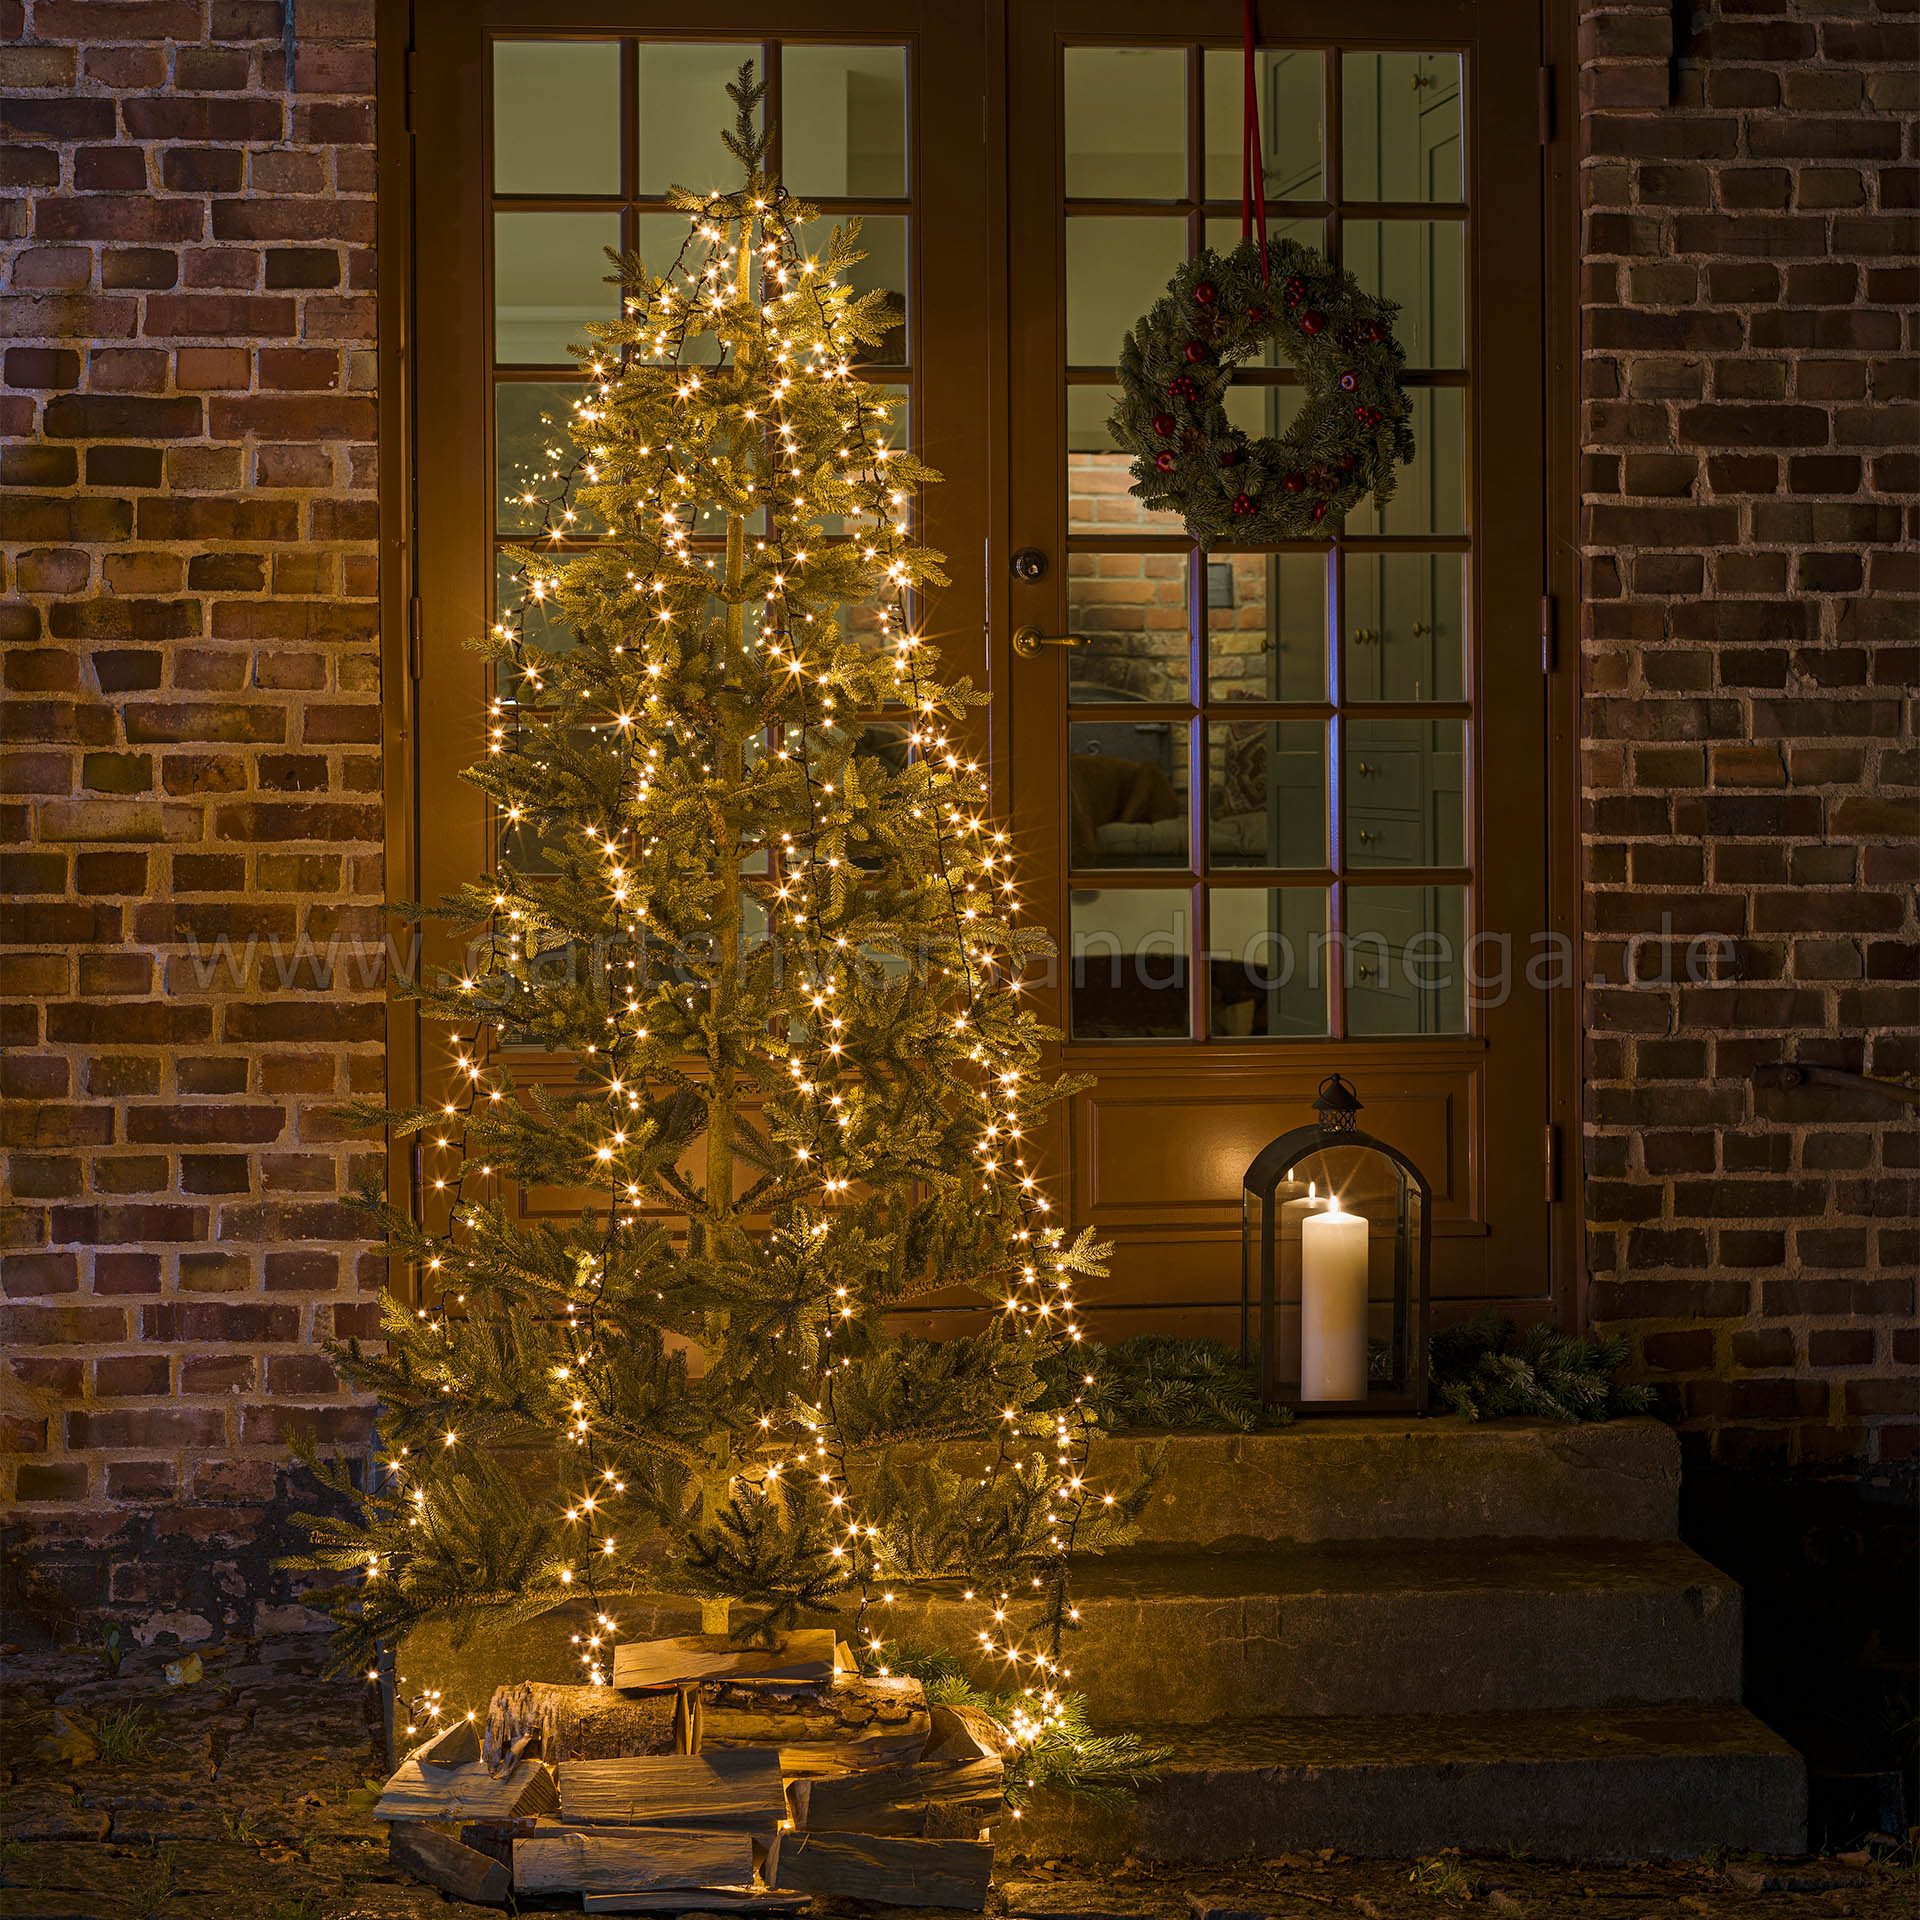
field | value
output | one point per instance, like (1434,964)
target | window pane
(1430,495)
(550,274)
(1127,793)
(1099,475)
(1406,627)
(556,116)
(1116,270)
(1267,793)
(1266,626)
(1126,123)
(683,109)
(883,239)
(1290,102)
(843,121)
(1127,963)
(1400,126)
(533,450)
(1420,265)
(1405,793)
(1405,960)
(1266,951)
(1130,609)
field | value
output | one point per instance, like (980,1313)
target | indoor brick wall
(1750,764)
(192,755)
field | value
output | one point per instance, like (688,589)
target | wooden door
(1285,808)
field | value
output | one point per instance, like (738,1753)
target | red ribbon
(1253,173)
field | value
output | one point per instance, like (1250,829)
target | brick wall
(1749,760)
(192,755)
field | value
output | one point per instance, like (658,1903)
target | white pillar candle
(1333,1306)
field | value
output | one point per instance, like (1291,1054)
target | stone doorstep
(1176,1636)
(1183,1637)
(1624,1784)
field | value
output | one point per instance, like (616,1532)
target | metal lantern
(1336,1231)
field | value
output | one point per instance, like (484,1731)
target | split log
(967,1733)
(693,1900)
(849,1722)
(928,1800)
(806,1655)
(467,1792)
(632,1862)
(444,1863)
(454,1746)
(735,1789)
(578,1723)
(894,1872)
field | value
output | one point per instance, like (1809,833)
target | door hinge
(413,639)
(1545,83)
(1553,1162)
(1549,633)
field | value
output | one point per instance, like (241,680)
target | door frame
(1563,613)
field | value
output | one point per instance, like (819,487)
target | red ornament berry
(1313,321)
(1347,463)
(1295,290)
(1295,483)
(1195,350)
(1205,293)
(1374,333)
(1181,387)
(1256,313)
(1319,510)
(1163,424)
(1348,383)
(1229,456)
(1242,503)
(1164,461)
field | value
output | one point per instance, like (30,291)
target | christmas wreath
(1178,362)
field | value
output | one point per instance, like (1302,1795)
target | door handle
(1027,641)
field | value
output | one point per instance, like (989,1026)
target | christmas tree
(748,884)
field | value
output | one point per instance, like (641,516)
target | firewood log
(967,1733)
(578,1723)
(806,1655)
(739,1789)
(444,1863)
(632,1861)
(697,1900)
(467,1792)
(893,1872)
(926,1800)
(849,1721)
(457,1745)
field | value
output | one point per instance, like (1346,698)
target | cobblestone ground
(244,1794)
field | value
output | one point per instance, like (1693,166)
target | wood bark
(848,1722)
(443,1862)
(925,1800)
(736,1789)
(632,1862)
(806,1655)
(895,1872)
(467,1792)
(578,1723)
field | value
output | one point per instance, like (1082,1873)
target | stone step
(1183,1636)
(1395,1478)
(1620,1784)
